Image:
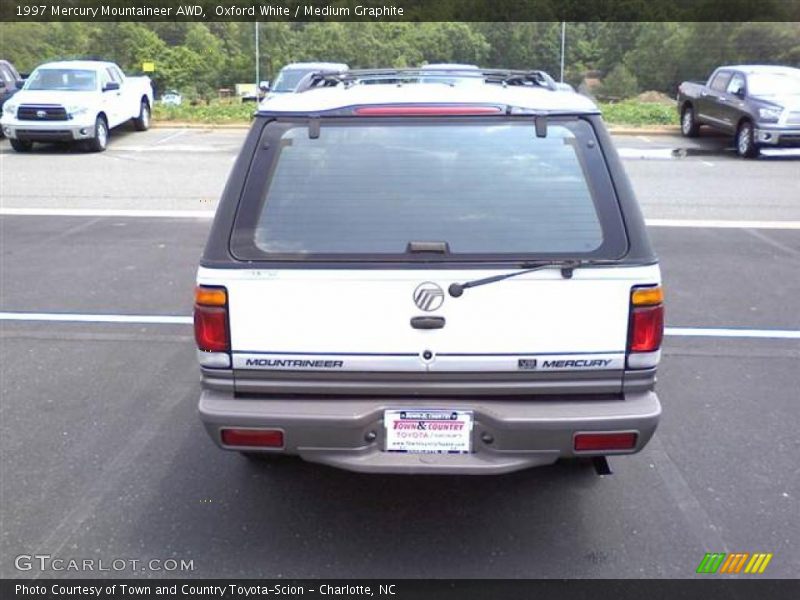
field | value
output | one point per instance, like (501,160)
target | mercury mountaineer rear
(423,277)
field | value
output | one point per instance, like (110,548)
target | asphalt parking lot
(102,454)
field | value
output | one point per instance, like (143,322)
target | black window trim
(241,244)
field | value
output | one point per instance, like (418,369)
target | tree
(619,84)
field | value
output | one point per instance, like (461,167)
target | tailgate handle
(427,322)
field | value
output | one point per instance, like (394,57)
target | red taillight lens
(647,328)
(263,438)
(211,328)
(585,442)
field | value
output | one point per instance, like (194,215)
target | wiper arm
(566,266)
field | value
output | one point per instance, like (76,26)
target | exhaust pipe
(601,466)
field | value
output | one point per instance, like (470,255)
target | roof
(316,65)
(771,69)
(529,98)
(76,64)
(449,67)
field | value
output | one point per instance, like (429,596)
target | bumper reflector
(262,438)
(588,442)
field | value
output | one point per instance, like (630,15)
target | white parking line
(97,318)
(168,137)
(657,153)
(106,212)
(208,214)
(722,332)
(182,148)
(722,224)
(733,332)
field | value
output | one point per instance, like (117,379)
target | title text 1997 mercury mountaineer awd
(426,278)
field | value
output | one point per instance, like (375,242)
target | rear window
(484,189)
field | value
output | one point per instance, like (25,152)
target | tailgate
(336,322)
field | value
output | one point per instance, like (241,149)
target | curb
(665,130)
(189,125)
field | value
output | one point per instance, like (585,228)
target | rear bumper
(524,433)
(778,137)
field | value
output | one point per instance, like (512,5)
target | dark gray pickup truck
(760,105)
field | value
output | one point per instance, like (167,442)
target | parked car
(73,101)
(290,76)
(171,98)
(760,105)
(429,279)
(10,81)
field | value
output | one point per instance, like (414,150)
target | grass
(628,113)
(633,113)
(214,113)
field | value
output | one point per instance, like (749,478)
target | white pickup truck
(72,101)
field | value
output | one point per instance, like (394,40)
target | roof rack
(506,77)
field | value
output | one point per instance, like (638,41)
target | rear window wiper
(566,266)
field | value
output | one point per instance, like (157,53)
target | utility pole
(563,46)
(258,62)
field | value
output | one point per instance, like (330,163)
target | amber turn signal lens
(647,296)
(210,296)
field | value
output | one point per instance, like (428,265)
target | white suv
(421,278)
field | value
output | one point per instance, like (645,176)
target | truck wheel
(100,140)
(745,143)
(21,145)
(689,127)
(142,122)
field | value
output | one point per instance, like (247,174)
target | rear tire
(142,122)
(745,141)
(21,145)
(689,125)
(100,140)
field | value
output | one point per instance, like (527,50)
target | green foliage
(639,114)
(214,112)
(619,84)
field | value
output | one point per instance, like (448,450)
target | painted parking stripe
(106,212)
(97,318)
(724,332)
(208,214)
(733,332)
(722,224)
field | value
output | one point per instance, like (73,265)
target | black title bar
(709,588)
(399,10)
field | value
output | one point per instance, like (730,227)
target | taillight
(211,319)
(646,326)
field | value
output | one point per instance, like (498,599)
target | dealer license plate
(428,431)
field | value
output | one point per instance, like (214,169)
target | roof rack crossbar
(407,75)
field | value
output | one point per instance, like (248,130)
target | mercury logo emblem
(428,296)
(41,114)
